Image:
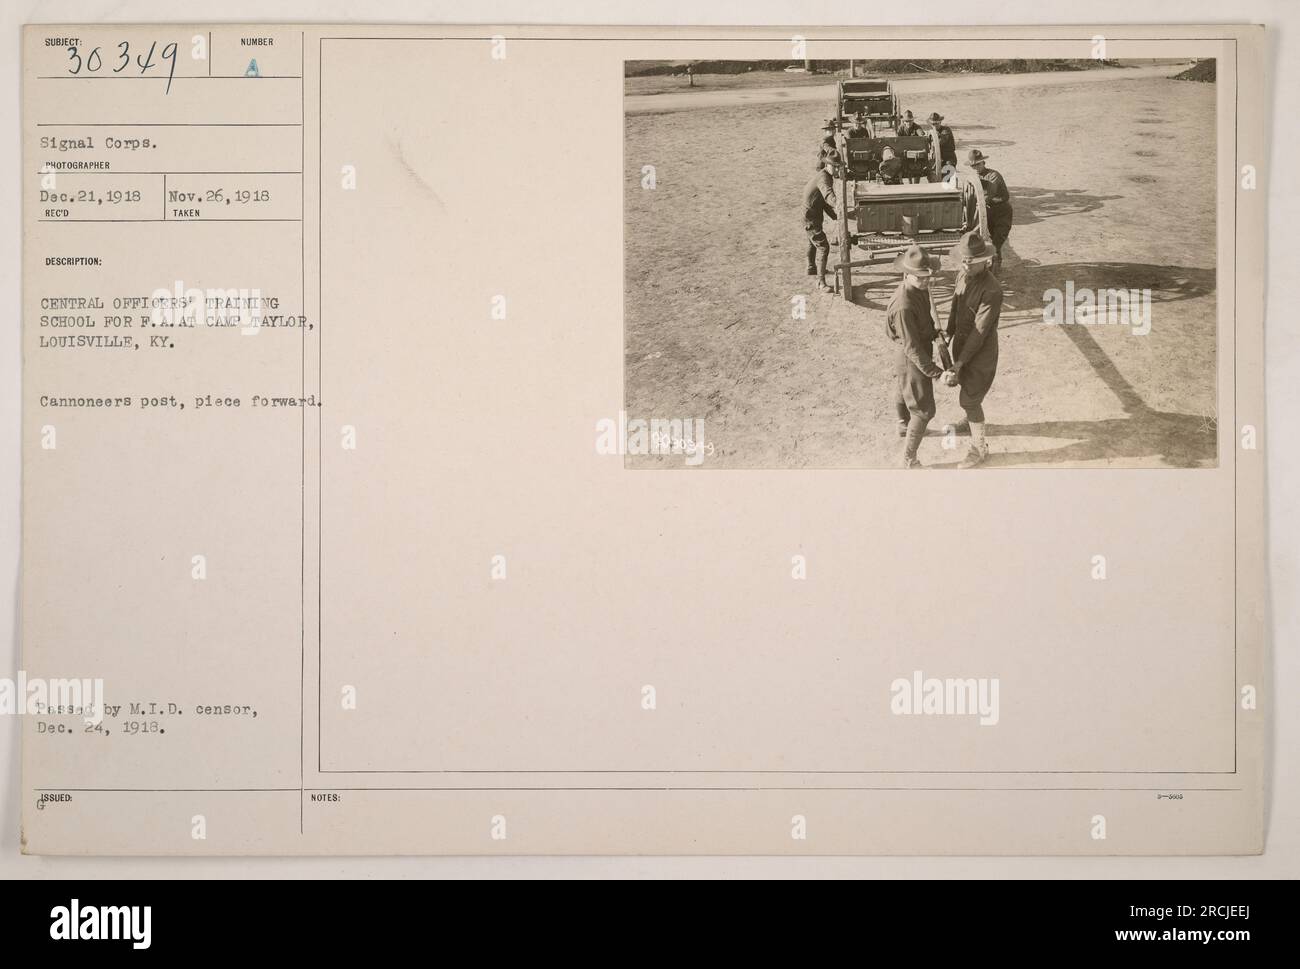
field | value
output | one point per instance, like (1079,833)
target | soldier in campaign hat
(828,146)
(907,125)
(909,128)
(819,201)
(997,199)
(860,128)
(972,329)
(911,325)
(947,144)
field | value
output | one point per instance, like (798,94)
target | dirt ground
(1113,185)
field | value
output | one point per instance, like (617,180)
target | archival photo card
(657,441)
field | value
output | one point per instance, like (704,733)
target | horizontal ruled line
(177,221)
(168,172)
(169,124)
(187,77)
(323,790)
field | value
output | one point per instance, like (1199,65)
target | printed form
(343,534)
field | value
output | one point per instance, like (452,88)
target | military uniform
(973,326)
(998,199)
(891,171)
(818,201)
(947,146)
(908,129)
(912,326)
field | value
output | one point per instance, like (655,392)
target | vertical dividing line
(1236,446)
(320,371)
(302,467)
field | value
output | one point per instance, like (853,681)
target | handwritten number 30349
(145,62)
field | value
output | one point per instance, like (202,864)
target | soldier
(907,126)
(860,128)
(973,329)
(819,200)
(997,197)
(947,144)
(891,167)
(828,146)
(911,325)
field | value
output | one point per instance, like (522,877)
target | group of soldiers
(967,346)
(906,127)
(997,196)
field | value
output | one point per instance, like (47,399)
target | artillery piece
(879,219)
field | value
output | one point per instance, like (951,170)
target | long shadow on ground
(1178,440)
(1032,205)
(1025,281)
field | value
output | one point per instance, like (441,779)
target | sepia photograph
(949,264)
